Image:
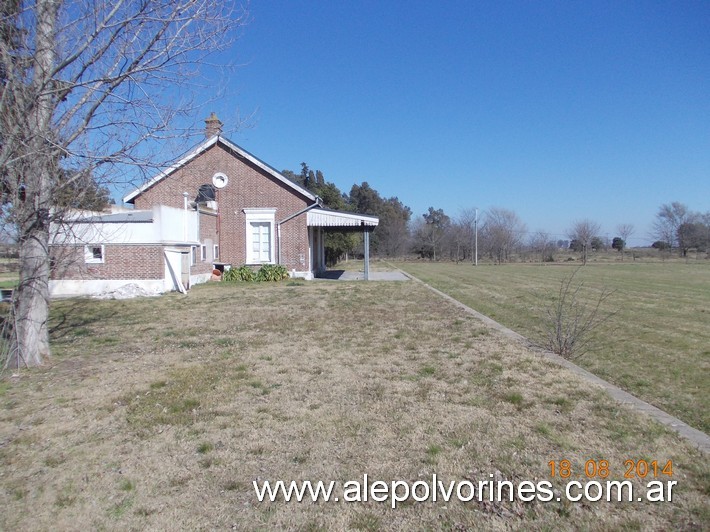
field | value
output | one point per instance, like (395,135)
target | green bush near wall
(268,272)
(241,274)
(272,272)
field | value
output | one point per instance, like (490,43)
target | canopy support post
(367,254)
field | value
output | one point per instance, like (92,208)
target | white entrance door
(177,275)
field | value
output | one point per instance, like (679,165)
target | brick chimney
(213,126)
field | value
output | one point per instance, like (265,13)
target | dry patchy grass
(657,346)
(159,414)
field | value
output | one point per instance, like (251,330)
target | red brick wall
(120,262)
(248,187)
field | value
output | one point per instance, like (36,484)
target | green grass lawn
(657,346)
(159,413)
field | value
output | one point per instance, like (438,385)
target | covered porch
(320,220)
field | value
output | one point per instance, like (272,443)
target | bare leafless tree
(84,85)
(583,231)
(625,231)
(502,231)
(542,246)
(669,218)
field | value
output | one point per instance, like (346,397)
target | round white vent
(219,180)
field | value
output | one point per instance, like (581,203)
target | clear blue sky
(558,111)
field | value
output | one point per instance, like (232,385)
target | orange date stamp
(601,468)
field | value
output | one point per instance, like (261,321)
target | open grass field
(656,346)
(159,414)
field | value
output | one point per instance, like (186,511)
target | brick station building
(217,207)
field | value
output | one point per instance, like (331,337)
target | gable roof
(204,146)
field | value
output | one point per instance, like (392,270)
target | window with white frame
(94,254)
(216,252)
(203,252)
(260,235)
(193,255)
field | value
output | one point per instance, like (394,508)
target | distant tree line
(497,234)
(678,228)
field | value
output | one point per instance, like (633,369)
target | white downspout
(278,238)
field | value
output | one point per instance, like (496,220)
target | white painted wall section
(161,225)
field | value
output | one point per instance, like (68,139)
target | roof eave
(129,198)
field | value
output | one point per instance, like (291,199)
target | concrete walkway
(351,275)
(696,437)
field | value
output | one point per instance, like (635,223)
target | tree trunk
(35,171)
(32,302)
(31,338)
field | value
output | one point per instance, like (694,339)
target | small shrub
(272,272)
(570,322)
(268,272)
(241,274)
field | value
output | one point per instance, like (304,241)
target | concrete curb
(694,436)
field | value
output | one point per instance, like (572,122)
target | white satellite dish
(219,180)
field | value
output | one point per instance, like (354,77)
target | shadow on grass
(70,316)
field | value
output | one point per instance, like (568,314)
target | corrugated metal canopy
(327,218)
